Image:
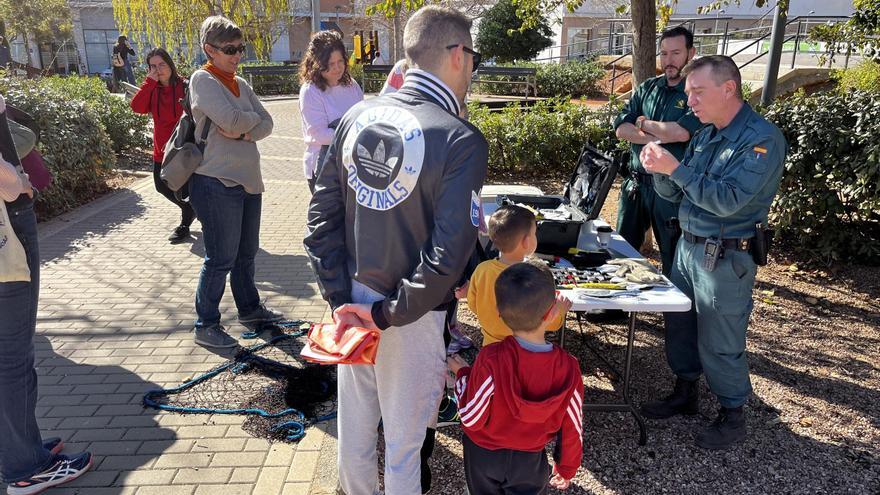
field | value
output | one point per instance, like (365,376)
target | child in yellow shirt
(513,231)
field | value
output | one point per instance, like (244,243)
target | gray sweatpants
(403,389)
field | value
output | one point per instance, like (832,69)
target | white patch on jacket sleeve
(476,209)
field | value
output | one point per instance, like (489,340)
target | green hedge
(574,79)
(73,142)
(829,201)
(126,129)
(863,77)
(543,140)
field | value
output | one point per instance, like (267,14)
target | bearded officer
(657,111)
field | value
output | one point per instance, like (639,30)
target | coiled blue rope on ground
(292,429)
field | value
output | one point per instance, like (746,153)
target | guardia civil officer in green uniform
(657,111)
(726,182)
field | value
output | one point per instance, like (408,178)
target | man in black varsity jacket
(392,223)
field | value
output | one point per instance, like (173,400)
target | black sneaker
(180,234)
(261,315)
(64,469)
(215,336)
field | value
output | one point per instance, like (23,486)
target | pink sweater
(317,109)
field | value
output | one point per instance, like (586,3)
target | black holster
(674,227)
(761,245)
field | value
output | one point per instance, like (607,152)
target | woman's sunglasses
(477,56)
(231,49)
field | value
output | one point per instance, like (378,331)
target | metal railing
(716,42)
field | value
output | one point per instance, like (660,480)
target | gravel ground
(814,418)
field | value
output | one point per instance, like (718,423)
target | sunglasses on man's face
(476,55)
(231,49)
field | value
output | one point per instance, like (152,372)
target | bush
(72,140)
(277,84)
(862,77)
(574,79)
(543,140)
(829,200)
(125,128)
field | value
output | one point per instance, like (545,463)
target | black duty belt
(730,243)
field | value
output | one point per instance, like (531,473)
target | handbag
(13,259)
(183,154)
(117,60)
(357,345)
(37,171)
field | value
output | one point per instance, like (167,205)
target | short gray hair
(217,30)
(429,31)
(722,68)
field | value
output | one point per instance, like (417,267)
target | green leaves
(500,35)
(542,141)
(73,142)
(829,200)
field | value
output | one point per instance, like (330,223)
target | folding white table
(657,299)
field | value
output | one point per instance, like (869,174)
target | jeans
(230,219)
(21,449)
(187,215)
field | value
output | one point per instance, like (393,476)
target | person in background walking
(160,96)
(121,64)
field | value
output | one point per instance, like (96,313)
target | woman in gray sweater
(226,189)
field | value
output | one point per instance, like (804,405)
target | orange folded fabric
(357,345)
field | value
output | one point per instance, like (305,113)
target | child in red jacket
(520,394)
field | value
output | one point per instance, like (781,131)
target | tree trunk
(644,17)
(27,49)
(396,39)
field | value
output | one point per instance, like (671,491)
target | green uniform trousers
(646,210)
(710,339)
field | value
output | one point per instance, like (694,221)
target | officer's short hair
(722,68)
(524,292)
(429,31)
(508,225)
(679,31)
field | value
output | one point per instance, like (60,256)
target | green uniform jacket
(728,177)
(658,101)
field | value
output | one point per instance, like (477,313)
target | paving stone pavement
(116,310)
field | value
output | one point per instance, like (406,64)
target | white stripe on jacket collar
(435,88)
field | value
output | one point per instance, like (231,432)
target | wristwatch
(239,138)
(639,123)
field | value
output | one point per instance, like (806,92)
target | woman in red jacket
(160,96)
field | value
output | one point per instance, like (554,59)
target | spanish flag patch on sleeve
(759,152)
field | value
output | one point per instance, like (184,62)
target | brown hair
(722,68)
(321,47)
(508,225)
(163,54)
(524,292)
(429,31)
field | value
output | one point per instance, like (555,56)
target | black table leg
(627,404)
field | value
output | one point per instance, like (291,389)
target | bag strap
(188,109)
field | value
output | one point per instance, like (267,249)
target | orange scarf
(224,77)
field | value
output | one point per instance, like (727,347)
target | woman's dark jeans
(21,447)
(230,219)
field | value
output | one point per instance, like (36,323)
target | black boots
(728,429)
(684,399)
